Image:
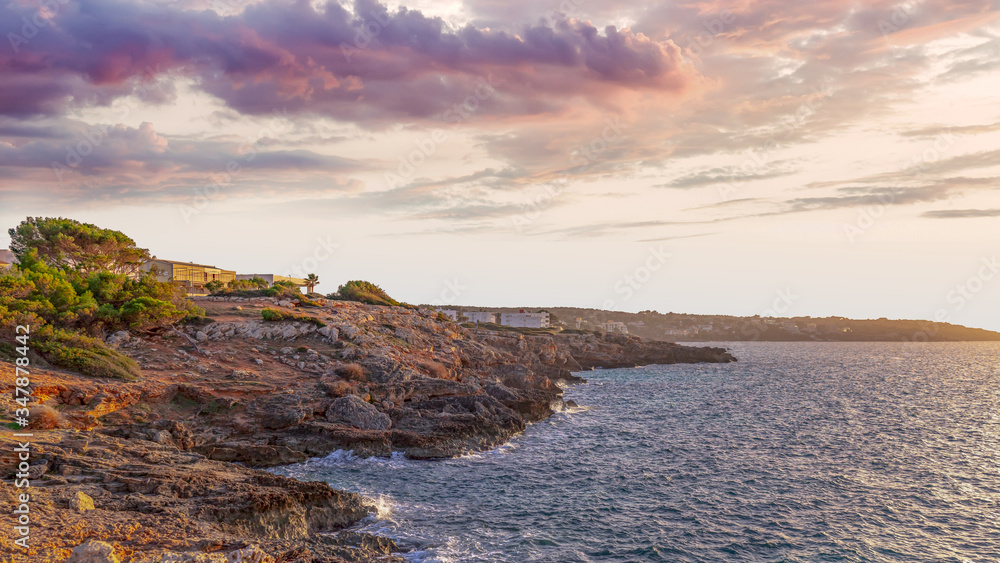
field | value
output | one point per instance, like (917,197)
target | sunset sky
(799,158)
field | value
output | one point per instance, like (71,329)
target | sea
(797,452)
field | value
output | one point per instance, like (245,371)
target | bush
(250,284)
(87,356)
(44,417)
(363,292)
(434,369)
(274,315)
(282,290)
(214,286)
(306,302)
(351,372)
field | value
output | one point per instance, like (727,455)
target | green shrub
(274,315)
(250,284)
(86,356)
(282,290)
(363,292)
(306,302)
(214,286)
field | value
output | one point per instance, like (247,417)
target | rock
(283,411)
(250,554)
(330,333)
(201,336)
(193,558)
(258,361)
(163,437)
(356,412)
(118,339)
(93,551)
(36,470)
(237,308)
(81,502)
(244,374)
(501,392)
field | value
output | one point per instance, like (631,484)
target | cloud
(71,160)
(369,65)
(961,213)
(940,130)
(860,196)
(722,175)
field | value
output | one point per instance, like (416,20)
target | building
(271,279)
(525,320)
(450,313)
(6,259)
(480,317)
(614,326)
(193,277)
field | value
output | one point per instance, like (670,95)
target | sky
(748,157)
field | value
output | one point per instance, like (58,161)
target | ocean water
(798,452)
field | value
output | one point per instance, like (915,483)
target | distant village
(523,319)
(683,327)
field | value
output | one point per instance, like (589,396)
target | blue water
(798,452)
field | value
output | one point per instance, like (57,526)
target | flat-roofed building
(525,320)
(188,275)
(480,317)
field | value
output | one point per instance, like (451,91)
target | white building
(450,313)
(614,326)
(480,317)
(525,320)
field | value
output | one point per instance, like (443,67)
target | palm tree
(312,280)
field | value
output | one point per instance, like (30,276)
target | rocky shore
(167,468)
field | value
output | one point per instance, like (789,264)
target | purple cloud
(368,65)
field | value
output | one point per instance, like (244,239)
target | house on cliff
(190,276)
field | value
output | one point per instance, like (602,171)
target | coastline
(170,467)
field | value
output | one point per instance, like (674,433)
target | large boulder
(356,412)
(81,502)
(283,411)
(93,551)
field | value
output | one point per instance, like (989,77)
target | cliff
(147,466)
